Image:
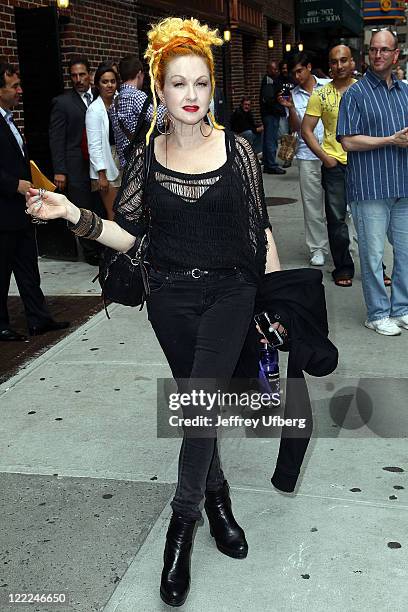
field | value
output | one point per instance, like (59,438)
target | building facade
(41,38)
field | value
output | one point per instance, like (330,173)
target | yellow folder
(39,179)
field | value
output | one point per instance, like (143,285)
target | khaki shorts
(116,183)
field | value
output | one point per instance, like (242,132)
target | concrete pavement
(86,483)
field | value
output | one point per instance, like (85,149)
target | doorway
(39,56)
(41,74)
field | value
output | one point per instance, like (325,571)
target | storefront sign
(330,13)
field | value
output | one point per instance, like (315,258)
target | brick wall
(236,87)
(8,42)
(100,30)
(255,59)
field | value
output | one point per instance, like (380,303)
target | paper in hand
(39,179)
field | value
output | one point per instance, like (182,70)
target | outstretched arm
(57,206)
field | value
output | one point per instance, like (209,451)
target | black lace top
(211,220)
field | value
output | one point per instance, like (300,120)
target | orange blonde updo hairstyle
(173,37)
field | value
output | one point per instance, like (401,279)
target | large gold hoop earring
(168,122)
(209,123)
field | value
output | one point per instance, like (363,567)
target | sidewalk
(86,484)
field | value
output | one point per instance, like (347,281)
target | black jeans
(333,181)
(201,325)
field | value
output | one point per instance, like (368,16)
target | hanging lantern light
(227,35)
(288,47)
(270,43)
(63,4)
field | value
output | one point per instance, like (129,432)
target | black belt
(197,273)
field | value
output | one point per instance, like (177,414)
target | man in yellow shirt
(324,104)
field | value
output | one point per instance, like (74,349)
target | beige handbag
(288,146)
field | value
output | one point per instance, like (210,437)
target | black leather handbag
(123,276)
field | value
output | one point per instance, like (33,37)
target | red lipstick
(191,109)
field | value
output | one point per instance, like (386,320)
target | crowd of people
(351,154)
(88,135)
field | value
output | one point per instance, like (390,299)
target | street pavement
(86,483)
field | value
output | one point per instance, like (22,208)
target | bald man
(324,104)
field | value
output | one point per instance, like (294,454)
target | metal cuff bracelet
(89,226)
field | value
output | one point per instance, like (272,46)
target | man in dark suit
(68,144)
(18,249)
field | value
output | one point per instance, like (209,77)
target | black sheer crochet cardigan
(245,184)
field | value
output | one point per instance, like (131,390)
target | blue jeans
(374,220)
(270,140)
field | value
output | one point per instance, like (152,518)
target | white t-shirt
(300,99)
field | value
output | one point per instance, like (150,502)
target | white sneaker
(317,259)
(400,321)
(386,327)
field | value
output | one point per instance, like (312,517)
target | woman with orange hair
(210,245)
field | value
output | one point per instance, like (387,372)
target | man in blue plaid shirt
(126,111)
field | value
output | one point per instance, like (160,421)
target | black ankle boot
(175,580)
(229,536)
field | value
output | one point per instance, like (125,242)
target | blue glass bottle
(269,371)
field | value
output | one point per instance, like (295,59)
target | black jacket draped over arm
(298,297)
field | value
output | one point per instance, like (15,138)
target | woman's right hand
(50,206)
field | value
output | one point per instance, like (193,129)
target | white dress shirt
(8,116)
(84,98)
